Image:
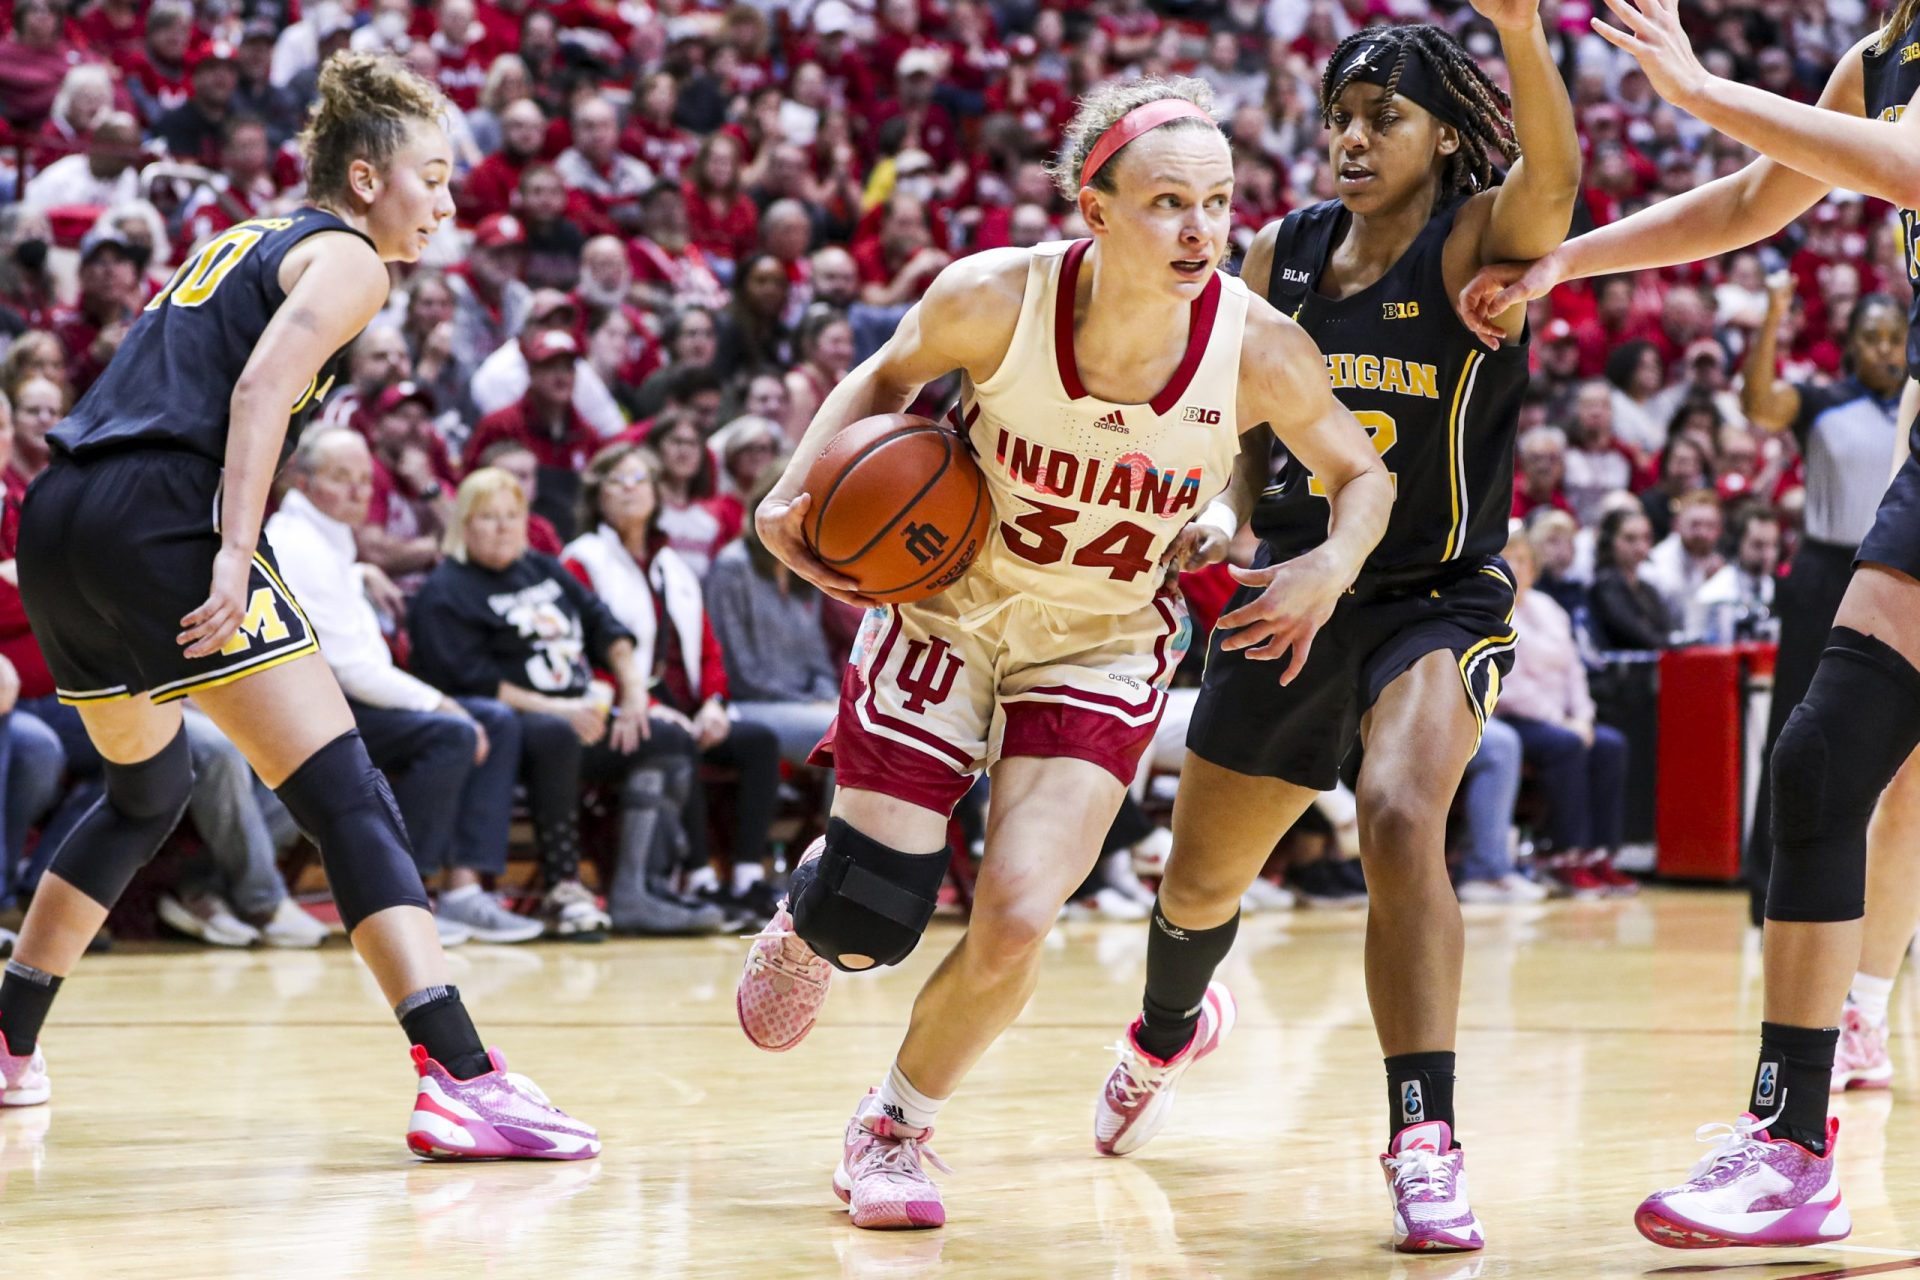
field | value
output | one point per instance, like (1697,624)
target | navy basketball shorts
(113,552)
(1894,539)
(1247,721)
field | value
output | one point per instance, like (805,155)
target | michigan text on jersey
(1384,373)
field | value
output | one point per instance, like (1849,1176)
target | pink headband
(1140,120)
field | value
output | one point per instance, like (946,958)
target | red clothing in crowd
(1523,506)
(730,232)
(168,88)
(109,39)
(17,644)
(667,151)
(570,452)
(490,187)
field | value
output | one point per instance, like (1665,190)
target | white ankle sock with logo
(1870,995)
(906,1104)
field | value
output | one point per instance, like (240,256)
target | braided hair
(1483,110)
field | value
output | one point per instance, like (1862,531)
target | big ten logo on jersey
(262,623)
(1909,53)
(1400,310)
(1205,417)
(927,673)
(559,650)
(1131,482)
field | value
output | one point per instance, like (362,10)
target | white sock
(702,878)
(906,1104)
(746,875)
(1869,995)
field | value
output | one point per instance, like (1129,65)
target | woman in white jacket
(623,558)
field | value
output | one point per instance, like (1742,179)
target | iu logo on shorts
(927,674)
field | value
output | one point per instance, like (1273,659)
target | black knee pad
(345,807)
(125,827)
(1840,748)
(862,898)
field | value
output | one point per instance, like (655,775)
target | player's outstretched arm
(340,287)
(1728,213)
(1878,157)
(1769,401)
(1533,208)
(1283,381)
(965,321)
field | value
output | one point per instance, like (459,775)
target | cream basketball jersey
(1087,493)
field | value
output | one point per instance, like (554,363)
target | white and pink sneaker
(1427,1178)
(1751,1189)
(498,1116)
(1138,1095)
(23,1078)
(1860,1061)
(784,984)
(880,1179)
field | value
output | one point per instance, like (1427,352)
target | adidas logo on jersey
(1111,422)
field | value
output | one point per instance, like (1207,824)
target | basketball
(898,506)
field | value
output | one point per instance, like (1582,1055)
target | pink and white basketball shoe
(1860,1061)
(23,1077)
(498,1116)
(784,984)
(1751,1189)
(1138,1095)
(1427,1178)
(880,1179)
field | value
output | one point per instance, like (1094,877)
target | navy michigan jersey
(1892,78)
(1442,410)
(171,383)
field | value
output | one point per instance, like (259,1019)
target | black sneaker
(1321,885)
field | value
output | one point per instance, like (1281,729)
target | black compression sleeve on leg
(1840,748)
(435,1019)
(1180,964)
(1792,1081)
(346,808)
(26,996)
(125,827)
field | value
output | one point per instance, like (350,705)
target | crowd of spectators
(681,224)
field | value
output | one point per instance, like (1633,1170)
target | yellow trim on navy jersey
(1456,455)
(91,697)
(1483,651)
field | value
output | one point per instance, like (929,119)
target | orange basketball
(898,506)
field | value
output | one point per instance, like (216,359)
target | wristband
(1219,515)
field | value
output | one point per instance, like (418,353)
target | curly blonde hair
(366,107)
(1101,108)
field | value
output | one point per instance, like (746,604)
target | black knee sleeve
(1840,748)
(124,828)
(862,898)
(345,807)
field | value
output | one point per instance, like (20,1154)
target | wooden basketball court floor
(240,1114)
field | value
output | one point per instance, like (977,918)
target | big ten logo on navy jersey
(1129,482)
(558,661)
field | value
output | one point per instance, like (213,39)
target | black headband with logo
(1372,61)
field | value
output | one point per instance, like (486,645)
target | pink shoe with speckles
(497,1116)
(1751,1189)
(784,984)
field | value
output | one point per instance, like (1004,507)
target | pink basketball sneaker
(1861,1061)
(1427,1177)
(1138,1095)
(880,1179)
(23,1078)
(784,984)
(497,1116)
(1751,1189)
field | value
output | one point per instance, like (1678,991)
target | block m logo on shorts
(927,674)
(262,623)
